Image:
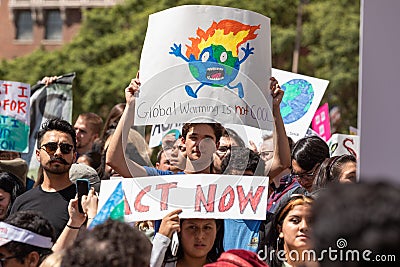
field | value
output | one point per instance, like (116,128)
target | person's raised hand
(48,80)
(89,203)
(170,223)
(253,146)
(76,219)
(132,91)
(276,92)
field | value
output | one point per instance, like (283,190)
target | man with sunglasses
(55,152)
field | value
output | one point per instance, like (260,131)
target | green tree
(331,36)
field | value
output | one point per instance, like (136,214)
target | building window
(53,25)
(24,25)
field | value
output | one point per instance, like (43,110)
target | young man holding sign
(201,141)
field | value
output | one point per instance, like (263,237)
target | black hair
(330,170)
(112,244)
(217,127)
(94,159)
(12,185)
(34,222)
(213,254)
(234,136)
(365,215)
(309,151)
(240,159)
(56,125)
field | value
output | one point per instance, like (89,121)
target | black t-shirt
(51,205)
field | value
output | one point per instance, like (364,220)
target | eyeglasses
(3,260)
(51,147)
(307,174)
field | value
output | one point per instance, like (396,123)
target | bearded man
(56,143)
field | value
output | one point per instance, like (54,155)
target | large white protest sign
(206,64)
(14,119)
(341,144)
(302,97)
(199,195)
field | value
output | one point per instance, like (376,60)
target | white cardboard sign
(340,144)
(302,97)
(206,64)
(199,195)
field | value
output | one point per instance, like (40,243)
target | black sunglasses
(51,147)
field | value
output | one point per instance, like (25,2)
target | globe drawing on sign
(297,100)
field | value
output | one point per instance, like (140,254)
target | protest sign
(321,123)
(199,195)
(159,131)
(206,64)
(340,144)
(302,97)
(14,119)
(48,102)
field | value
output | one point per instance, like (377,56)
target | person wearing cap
(26,239)
(55,152)
(83,171)
(11,161)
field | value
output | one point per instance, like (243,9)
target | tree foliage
(106,52)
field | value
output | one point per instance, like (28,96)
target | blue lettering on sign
(7,145)
(4,133)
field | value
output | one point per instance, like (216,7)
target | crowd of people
(314,200)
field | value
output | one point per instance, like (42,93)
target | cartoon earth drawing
(213,56)
(297,100)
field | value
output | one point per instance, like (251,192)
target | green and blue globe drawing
(297,100)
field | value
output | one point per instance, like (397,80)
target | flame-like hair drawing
(228,33)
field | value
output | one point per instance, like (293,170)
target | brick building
(26,25)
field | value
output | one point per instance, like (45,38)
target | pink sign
(321,122)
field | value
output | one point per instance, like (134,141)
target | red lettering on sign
(23,95)
(351,151)
(13,105)
(254,200)
(164,194)
(228,191)
(138,205)
(6,85)
(200,198)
